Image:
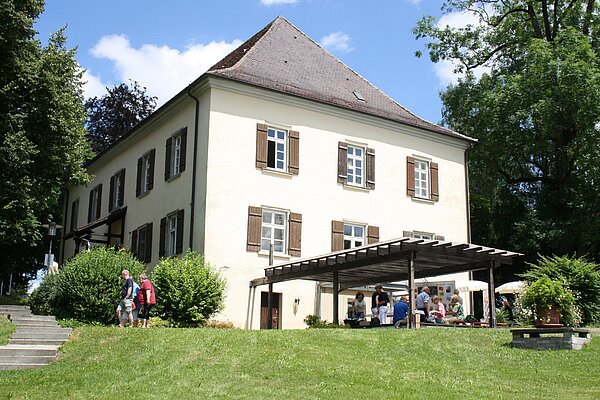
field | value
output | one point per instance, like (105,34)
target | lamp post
(52,228)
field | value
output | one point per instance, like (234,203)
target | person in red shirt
(146,298)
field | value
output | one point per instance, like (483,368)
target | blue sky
(165,45)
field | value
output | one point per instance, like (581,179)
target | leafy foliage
(42,139)
(88,288)
(188,290)
(536,108)
(114,114)
(580,276)
(545,293)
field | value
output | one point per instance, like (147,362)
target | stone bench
(550,338)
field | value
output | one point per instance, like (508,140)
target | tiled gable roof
(282,58)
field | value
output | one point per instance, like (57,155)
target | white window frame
(117,191)
(423,235)
(352,161)
(146,173)
(268,229)
(176,155)
(278,142)
(171,235)
(352,237)
(422,179)
(95,195)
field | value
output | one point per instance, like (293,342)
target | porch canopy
(389,261)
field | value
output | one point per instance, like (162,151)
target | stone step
(12,350)
(33,322)
(7,367)
(42,329)
(14,307)
(17,318)
(40,335)
(37,342)
(26,359)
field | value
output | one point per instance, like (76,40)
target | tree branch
(487,57)
(546,21)
(534,22)
(589,9)
(499,20)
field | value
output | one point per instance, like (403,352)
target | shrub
(314,321)
(88,288)
(580,276)
(548,293)
(188,290)
(43,298)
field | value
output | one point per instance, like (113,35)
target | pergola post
(411,288)
(270,295)
(492,295)
(336,300)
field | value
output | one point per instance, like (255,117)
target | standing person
(422,302)
(374,309)
(135,306)
(400,311)
(382,303)
(126,301)
(359,306)
(146,298)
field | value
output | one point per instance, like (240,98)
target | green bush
(188,290)
(548,293)
(580,276)
(314,321)
(43,298)
(88,289)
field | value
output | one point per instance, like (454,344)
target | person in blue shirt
(400,311)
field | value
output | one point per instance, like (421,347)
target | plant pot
(547,318)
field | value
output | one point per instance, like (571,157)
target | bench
(564,338)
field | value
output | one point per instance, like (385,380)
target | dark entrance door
(264,310)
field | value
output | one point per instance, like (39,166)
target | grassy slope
(328,364)
(6,329)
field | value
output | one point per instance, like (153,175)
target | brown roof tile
(282,58)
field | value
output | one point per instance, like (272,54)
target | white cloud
(274,2)
(163,70)
(414,2)
(93,85)
(458,20)
(337,41)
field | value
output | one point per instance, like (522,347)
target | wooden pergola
(390,261)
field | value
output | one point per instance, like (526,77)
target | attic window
(359,95)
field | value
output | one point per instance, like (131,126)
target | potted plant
(548,298)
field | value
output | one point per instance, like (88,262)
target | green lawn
(6,329)
(108,363)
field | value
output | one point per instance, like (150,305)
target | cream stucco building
(279,143)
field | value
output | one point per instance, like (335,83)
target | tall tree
(114,114)
(535,175)
(42,138)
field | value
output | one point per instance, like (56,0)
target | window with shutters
(141,242)
(117,191)
(95,203)
(422,179)
(274,227)
(277,149)
(74,214)
(171,234)
(356,165)
(175,154)
(171,238)
(280,228)
(354,236)
(422,235)
(145,173)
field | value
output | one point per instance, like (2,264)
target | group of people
(435,312)
(136,301)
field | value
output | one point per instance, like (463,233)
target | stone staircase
(35,342)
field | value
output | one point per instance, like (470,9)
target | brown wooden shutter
(183,150)
(168,158)
(370,169)
(254,228)
(372,234)
(337,235)
(163,237)
(91,204)
(148,255)
(410,176)
(407,234)
(151,158)
(139,177)
(295,234)
(439,237)
(261,146)
(342,162)
(122,187)
(99,201)
(179,241)
(294,143)
(134,243)
(74,206)
(111,194)
(435,186)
